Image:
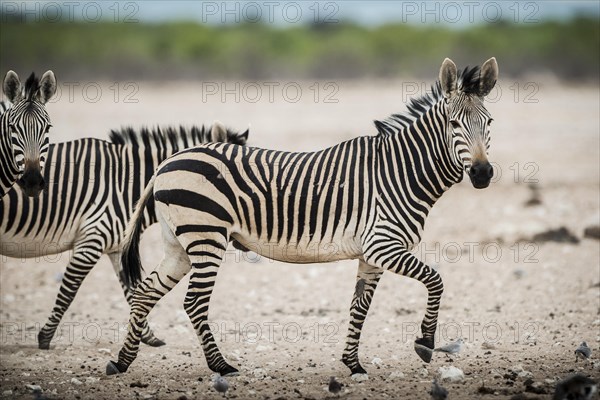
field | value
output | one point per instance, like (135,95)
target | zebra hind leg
(148,336)
(85,255)
(367,279)
(206,251)
(173,267)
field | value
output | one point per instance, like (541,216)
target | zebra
(24,127)
(93,186)
(364,199)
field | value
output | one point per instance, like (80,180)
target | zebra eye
(490,121)
(454,124)
(47,129)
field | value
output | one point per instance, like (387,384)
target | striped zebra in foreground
(364,199)
(24,127)
(93,186)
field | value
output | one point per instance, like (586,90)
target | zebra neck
(417,161)
(8,168)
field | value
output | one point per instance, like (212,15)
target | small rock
(396,374)
(519,273)
(519,371)
(360,377)
(423,373)
(104,351)
(259,373)
(488,346)
(451,374)
(76,381)
(6,392)
(376,361)
(34,388)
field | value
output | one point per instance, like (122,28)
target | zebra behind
(24,128)
(364,199)
(93,186)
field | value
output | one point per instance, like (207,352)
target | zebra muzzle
(32,180)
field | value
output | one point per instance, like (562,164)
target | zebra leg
(409,265)
(147,334)
(367,279)
(85,255)
(206,254)
(173,267)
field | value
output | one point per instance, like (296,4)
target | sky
(285,13)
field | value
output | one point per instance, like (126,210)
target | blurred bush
(188,50)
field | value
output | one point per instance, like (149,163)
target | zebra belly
(26,247)
(304,252)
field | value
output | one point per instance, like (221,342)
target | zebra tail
(130,256)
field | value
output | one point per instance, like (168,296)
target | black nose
(481,171)
(481,174)
(33,181)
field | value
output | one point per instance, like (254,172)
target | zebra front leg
(367,279)
(85,255)
(402,262)
(147,334)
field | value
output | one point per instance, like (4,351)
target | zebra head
(468,121)
(28,124)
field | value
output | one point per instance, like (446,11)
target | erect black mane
(178,137)
(158,137)
(468,82)
(32,85)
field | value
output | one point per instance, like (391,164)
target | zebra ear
(241,138)
(47,87)
(449,78)
(218,132)
(12,87)
(488,76)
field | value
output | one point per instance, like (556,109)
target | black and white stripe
(364,199)
(24,130)
(92,188)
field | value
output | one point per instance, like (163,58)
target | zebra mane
(468,82)
(32,85)
(176,137)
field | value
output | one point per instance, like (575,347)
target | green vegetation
(185,50)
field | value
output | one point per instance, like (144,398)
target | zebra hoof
(153,341)
(43,341)
(113,368)
(228,371)
(358,369)
(424,349)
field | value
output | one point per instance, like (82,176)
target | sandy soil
(284,325)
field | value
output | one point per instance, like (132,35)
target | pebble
(488,346)
(520,372)
(76,381)
(397,374)
(34,388)
(104,351)
(451,374)
(376,361)
(360,377)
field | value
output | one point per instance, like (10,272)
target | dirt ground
(284,325)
